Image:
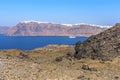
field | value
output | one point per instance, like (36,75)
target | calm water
(31,42)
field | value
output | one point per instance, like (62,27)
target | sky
(100,12)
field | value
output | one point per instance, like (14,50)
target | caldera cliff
(52,29)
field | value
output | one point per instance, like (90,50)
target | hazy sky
(101,12)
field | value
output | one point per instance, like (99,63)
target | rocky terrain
(97,58)
(55,62)
(33,28)
(105,45)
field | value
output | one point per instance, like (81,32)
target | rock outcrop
(104,46)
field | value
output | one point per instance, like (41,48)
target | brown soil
(55,63)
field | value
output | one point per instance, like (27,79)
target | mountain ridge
(36,28)
(39,22)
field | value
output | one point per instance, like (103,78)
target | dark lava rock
(23,55)
(116,77)
(82,77)
(104,46)
(87,67)
(58,59)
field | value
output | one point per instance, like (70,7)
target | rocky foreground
(103,46)
(55,63)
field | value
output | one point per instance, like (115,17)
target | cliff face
(50,29)
(105,45)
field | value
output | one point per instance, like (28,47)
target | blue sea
(32,42)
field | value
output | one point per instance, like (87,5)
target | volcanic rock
(104,46)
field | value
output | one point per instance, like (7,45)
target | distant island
(36,28)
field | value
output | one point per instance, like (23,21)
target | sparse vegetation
(56,64)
